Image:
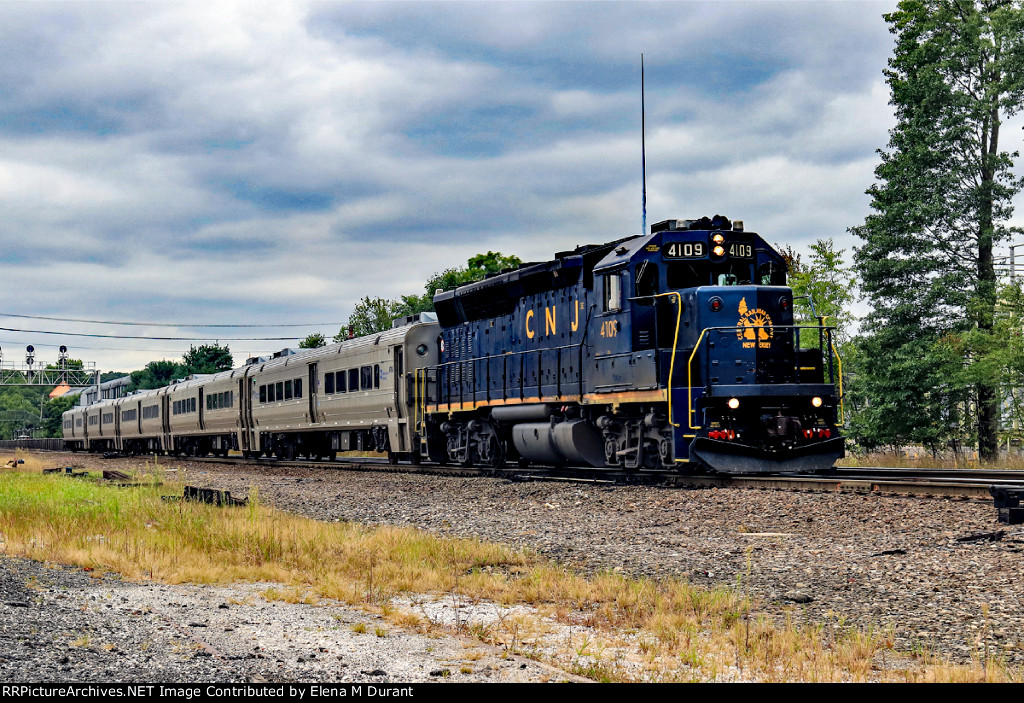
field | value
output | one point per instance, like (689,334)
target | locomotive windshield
(730,274)
(691,274)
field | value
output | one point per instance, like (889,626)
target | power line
(159,324)
(162,339)
(77,347)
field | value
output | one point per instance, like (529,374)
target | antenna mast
(643,143)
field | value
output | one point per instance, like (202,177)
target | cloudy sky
(271,163)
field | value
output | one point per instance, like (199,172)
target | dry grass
(612,627)
(923,459)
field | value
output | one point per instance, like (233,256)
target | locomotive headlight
(816,401)
(734,403)
(718,251)
(718,239)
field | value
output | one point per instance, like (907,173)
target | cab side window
(612,292)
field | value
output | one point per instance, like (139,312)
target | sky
(271,163)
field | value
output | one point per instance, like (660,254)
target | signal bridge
(31,373)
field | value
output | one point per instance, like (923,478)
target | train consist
(675,349)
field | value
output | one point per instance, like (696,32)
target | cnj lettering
(550,321)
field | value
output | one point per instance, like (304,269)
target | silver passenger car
(353,395)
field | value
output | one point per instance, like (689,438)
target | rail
(762,332)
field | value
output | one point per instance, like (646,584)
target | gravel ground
(60,624)
(868,560)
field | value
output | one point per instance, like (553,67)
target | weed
(596,670)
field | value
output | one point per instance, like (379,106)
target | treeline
(29,409)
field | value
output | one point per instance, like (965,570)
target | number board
(738,250)
(686,250)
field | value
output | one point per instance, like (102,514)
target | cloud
(275,162)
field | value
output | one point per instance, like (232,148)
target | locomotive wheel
(496,453)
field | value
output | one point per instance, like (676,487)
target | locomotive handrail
(447,367)
(839,363)
(675,343)
(691,412)
(689,382)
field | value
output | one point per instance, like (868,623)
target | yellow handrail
(839,365)
(689,376)
(689,381)
(675,343)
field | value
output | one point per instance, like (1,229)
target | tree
(208,358)
(156,374)
(827,281)
(477,268)
(77,364)
(53,411)
(940,204)
(377,314)
(313,341)
(370,315)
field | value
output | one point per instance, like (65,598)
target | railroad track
(950,483)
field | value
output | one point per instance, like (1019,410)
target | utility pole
(1013,262)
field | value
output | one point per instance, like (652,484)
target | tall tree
(941,201)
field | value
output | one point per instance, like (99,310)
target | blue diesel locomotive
(673,349)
